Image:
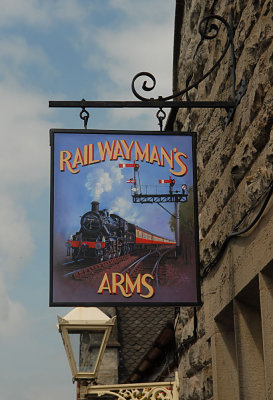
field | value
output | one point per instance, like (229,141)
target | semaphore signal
(170,181)
(128,166)
(136,167)
(164,181)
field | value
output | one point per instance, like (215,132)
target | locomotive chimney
(95,206)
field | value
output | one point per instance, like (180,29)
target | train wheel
(75,254)
(99,257)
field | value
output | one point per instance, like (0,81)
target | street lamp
(85,332)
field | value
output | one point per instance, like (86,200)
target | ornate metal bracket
(133,391)
(209,28)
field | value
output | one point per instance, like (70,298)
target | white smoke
(101,181)
(122,207)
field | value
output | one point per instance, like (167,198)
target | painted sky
(105,182)
(58,50)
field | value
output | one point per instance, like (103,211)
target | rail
(133,391)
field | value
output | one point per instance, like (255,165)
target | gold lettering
(65,156)
(78,159)
(151,290)
(118,151)
(165,156)
(106,148)
(91,155)
(105,284)
(116,284)
(142,154)
(128,149)
(85,154)
(183,169)
(130,286)
(155,156)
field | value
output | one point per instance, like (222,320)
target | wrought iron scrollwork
(135,391)
(144,85)
(208,30)
(161,393)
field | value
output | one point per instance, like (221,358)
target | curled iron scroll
(208,31)
(144,85)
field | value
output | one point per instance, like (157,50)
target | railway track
(151,264)
(155,271)
(139,262)
(130,269)
(88,272)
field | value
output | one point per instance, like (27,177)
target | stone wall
(235,170)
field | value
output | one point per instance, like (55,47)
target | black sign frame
(83,158)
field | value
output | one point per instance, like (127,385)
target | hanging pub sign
(123,218)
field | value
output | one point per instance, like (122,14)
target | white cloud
(28,11)
(102,180)
(41,13)
(24,153)
(13,316)
(16,242)
(16,54)
(141,10)
(143,41)
(24,166)
(128,52)
(70,10)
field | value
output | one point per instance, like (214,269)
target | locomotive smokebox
(95,206)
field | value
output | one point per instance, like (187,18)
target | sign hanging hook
(161,115)
(84,115)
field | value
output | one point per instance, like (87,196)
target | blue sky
(58,50)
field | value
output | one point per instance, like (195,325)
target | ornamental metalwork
(132,391)
(209,29)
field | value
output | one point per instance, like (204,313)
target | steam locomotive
(104,236)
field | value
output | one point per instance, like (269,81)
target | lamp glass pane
(85,346)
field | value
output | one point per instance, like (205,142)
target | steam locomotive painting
(103,236)
(124,218)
